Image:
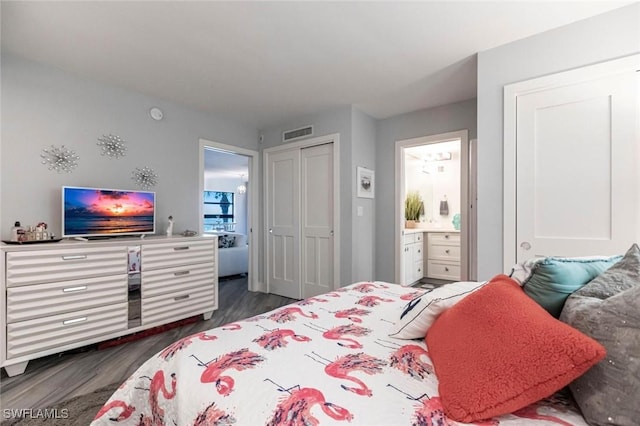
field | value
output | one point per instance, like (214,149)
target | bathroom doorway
(433,173)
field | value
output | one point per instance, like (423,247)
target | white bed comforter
(324,360)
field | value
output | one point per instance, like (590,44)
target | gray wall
(338,120)
(363,151)
(448,118)
(42,106)
(608,36)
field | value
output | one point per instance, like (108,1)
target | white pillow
(421,312)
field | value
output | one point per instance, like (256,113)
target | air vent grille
(302,132)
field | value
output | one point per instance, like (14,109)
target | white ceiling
(219,164)
(261,62)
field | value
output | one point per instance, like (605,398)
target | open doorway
(228,207)
(433,209)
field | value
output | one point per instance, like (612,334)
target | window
(218,209)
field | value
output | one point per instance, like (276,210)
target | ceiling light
(242,188)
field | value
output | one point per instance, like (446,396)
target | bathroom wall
(435,181)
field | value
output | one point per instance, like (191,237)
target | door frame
(510,97)
(306,143)
(465,230)
(253,209)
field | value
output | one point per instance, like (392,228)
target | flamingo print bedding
(323,360)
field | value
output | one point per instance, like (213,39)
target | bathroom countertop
(429,229)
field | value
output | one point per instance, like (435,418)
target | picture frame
(365,182)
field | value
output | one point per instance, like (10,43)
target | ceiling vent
(300,133)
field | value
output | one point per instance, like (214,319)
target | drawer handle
(181,248)
(186,296)
(74,321)
(418,250)
(72,289)
(446,236)
(177,274)
(446,269)
(447,251)
(75,257)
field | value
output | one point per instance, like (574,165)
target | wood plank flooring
(56,378)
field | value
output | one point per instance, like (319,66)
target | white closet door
(317,220)
(283,189)
(578,190)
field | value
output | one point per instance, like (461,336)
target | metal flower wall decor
(145,177)
(112,146)
(61,159)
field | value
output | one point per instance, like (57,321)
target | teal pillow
(554,279)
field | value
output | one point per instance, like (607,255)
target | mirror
(134,280)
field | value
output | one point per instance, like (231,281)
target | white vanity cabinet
(413,257)
(60,296)
(443,255)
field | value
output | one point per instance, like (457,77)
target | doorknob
(331,233)
(270,231)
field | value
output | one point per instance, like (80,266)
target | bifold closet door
(283,238)
(300,220)
(317,219)
(577,183)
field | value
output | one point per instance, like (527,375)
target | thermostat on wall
(156,113)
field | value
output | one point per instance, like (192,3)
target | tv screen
(95,212)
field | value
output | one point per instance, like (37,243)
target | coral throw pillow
(497,351)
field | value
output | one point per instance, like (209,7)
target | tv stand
(59,297)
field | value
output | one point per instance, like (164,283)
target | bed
(324,360)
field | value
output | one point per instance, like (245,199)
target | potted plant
(412,207)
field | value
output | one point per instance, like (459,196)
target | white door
(577,184)
(283,189)
(317,219)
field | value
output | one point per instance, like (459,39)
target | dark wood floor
(56,378)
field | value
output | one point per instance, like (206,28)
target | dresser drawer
(445,238)
(443,270)
(181,304)
(443,252)
(179,278)
(42,266)
(40,300)
(166,255)
(37,335)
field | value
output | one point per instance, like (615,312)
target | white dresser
(443,255)
(59,296)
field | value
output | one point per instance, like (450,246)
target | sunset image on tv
(90,211)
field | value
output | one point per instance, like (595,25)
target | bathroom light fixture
(438,156)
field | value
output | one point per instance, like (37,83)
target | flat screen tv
(96,212)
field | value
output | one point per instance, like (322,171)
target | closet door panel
(317,219)
(283,188)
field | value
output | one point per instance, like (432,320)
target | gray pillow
(608,310)
(620,277)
